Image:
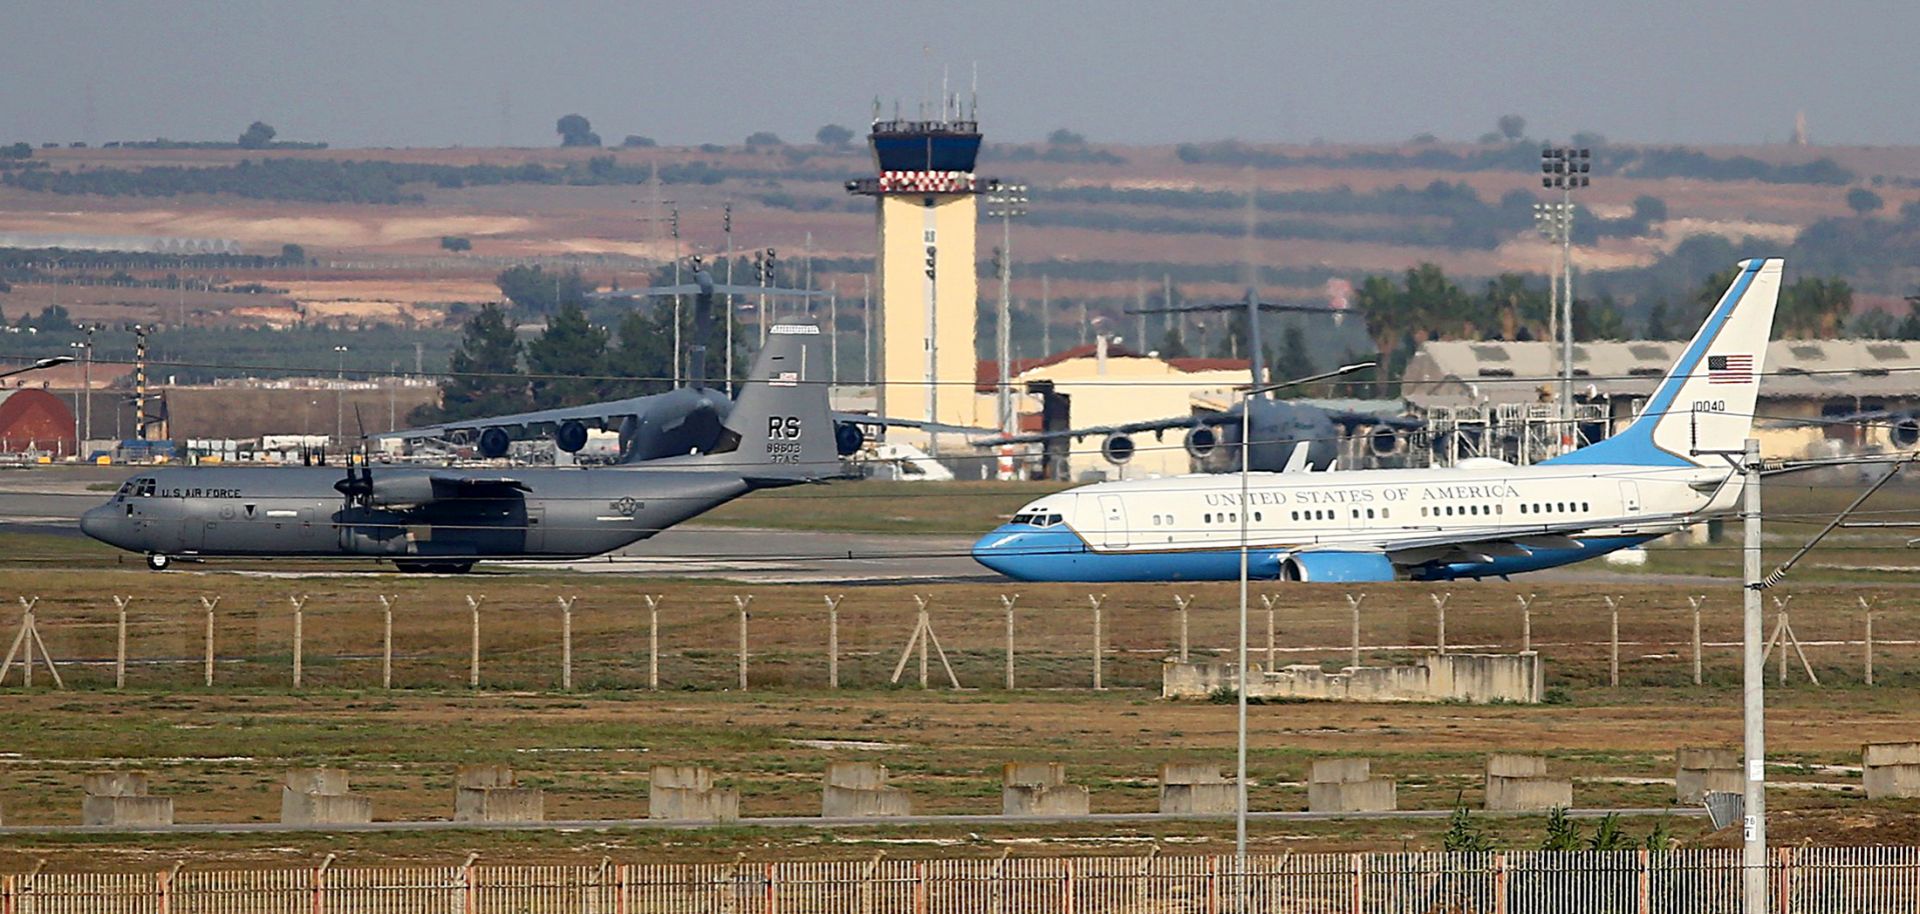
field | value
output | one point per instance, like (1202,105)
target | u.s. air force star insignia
(624,506)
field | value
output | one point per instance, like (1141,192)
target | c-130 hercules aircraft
(443,519)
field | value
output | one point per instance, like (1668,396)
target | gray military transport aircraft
(443,519)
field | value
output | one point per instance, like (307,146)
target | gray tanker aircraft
(443,519)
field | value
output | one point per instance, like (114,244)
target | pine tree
(572,349)
(485,377)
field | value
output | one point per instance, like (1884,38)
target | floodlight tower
(926,209)
(1565,168)
(1004,202)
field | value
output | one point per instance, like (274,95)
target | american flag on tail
(1729,369)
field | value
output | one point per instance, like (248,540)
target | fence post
(120,642)
(1697,603)
(742,603)
(1645,905)
(1353,603)
(1358,889)
(1268,600)
(1183,603)
(1008,602)
(386,640)
(299,633)
(566,641)
(653,640)
(1526,621)
(1866,606)
(1097,602)
(209,605)
(1440,602)
(1613,641)
(473,662)
(833,639)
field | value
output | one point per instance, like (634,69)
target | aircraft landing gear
(159,562)
(433,567)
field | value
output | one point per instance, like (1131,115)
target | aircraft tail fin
(1706,401)
(780,429)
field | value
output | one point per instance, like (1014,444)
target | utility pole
(726,226)
(1753,854)
(1005,201)
(673,221)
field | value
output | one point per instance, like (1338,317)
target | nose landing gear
(159,562)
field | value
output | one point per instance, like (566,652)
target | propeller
(358,488)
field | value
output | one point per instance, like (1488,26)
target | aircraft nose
(98,523)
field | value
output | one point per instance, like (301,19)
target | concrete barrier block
(690,804)
(498,804)
(1043,774)
(1524,793)
(1691,785)
(317,780)
(125,811)
(1191,773)
(1340,770)
(1873,755)
(299,807)
(1510,765)
(1198,799)
(1704,758)
(857,775)
(484,776)
(1892,781)
(680,777)
(1371,795)
(1044,800)
(116,784)
(838,802)
(1475,678)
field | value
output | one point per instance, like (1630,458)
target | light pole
(1567,169)
(79,437)
(339,394)
(1240,768)
(726,228)
(1005,201)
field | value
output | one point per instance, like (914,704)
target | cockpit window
(1036,519)
(143,488)
(126,489)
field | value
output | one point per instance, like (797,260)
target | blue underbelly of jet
(1590,547)
(1058,554)
(1028,553)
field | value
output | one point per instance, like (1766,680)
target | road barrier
(1802,881)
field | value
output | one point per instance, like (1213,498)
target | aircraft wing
(1128,428)
(890,422)
(469,485)
(1488,544)
(605,415)
(1349,419)
(687,288)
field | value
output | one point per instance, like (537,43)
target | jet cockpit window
(144,488)
(126,489)
(1036,519)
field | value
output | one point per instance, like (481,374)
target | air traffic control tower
(928,289)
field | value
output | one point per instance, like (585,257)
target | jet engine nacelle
(1202,441)
(1905,433)
(1118,449)
(570,436)
(848,438)
(1384,441)
(1337,567)
(494,442)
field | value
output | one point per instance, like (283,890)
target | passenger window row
(1558,507)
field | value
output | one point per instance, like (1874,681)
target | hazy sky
(479,73)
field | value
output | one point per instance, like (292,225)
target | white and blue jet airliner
(1661,473)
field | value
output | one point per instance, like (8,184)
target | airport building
(1809,384)
(1103,384)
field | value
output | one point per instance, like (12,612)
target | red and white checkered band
(932,182)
